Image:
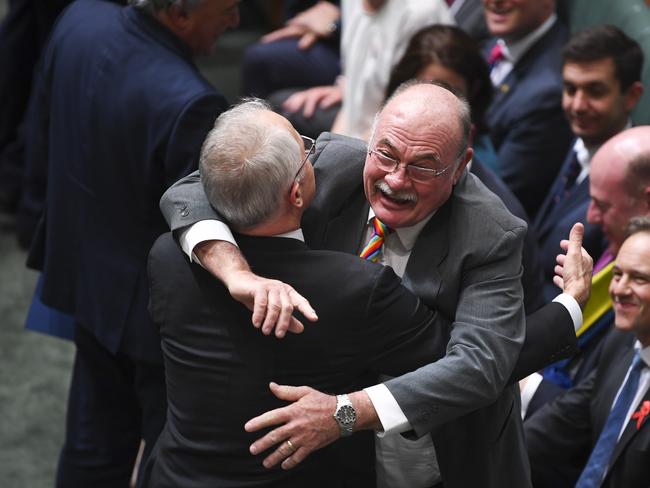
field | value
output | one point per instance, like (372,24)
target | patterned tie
(496,55)
(569,178)
(598,462)
(373,249)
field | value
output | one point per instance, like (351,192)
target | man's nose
(398,177)
(579,102)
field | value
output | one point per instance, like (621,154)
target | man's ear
(646,198)
(469,154)
(633,95)
(295,195)
(177,18)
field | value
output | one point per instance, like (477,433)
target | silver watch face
(346,415)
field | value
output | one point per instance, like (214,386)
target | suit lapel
(345,232)
(543,221)
(431,248)
(630,431)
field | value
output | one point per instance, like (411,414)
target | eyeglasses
(413,171)
(310,148)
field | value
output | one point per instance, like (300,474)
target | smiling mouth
(499,10)
(398,197)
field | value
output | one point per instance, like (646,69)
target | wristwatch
(345,415)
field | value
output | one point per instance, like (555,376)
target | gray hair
(247,166)
(158,5)
(638,224)
(464,113)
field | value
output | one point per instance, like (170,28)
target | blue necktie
(596,467)
(569,177)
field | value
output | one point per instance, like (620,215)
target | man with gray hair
(255,168)
(459,249)
(123,111)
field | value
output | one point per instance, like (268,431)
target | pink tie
(496,55)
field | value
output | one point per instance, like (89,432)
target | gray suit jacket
(466,264)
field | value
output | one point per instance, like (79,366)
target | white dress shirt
(514,51)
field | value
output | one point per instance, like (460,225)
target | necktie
(496,55)
(372,250)
(569,178)
(596,467)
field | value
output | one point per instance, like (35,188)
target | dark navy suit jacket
(531,278)
(554,221)
(528,127)
(122,114)
(560,436)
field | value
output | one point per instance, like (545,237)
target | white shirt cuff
(532,383)
(204,230)
(573,308)
(389,412)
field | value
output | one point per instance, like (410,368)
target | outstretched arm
(272,302)
(309,424)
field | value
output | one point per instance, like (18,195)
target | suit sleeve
(559,436)
(188,133)
(485,340)
(550,336)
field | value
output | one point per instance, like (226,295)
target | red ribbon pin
(641,414)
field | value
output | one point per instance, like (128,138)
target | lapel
(422,276)
(519,72)
(542,220)
(630,431)
(345,232)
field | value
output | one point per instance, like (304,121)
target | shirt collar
(584,153)
(514,51)
(293,234)
(407,235)
(644,352)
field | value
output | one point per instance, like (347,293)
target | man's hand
(318,96)
(574,269)
(309,25)
(304,426)
(272,302)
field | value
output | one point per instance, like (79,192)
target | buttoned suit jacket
(470,249)
(555,219)
(562,434)
(528,128)
(123,113)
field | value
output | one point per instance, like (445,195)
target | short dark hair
(454,49)
(607,41)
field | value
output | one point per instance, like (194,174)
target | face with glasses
(413,162)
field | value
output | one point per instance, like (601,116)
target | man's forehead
(636,251)
(599,69)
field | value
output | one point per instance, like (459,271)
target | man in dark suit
(256,169)
(619,183)
(123,113)
(598,433)
(455,245)
(528,129)
(602,85)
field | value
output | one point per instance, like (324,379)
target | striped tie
(373,249)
